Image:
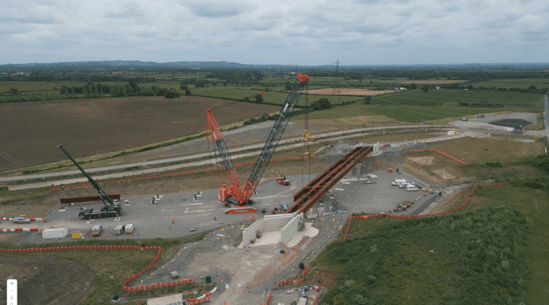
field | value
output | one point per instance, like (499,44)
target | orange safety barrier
(418,216)
(171,175)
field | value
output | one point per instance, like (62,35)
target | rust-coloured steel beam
(311,193)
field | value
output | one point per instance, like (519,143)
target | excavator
(109,210)
(235,192)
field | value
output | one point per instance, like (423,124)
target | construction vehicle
(241,195)
(109,210)
(282,180)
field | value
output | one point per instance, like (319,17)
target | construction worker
(173,219)
(214,218)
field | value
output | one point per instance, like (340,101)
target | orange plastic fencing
(172,175)
(298,281)
(133,277)
(419,216)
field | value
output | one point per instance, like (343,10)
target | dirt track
(46,279)
(90,126)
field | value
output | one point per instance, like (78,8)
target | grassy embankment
(491,252)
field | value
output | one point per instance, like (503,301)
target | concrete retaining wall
(276,222)
(290,229)
(267,224)
(251,231)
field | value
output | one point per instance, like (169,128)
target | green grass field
(513,83)
(418,106)
(277,98)
(478,257)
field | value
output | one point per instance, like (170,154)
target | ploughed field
(31,131)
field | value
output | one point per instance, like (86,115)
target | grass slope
(480,257)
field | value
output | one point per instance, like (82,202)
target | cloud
(277,31)
(217,9)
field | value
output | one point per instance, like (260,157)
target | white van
(399,182)
(119,229)
(129,228)
(411,188)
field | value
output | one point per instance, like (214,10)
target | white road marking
(195,211)
(185,204)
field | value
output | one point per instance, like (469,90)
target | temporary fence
(295,281)
(20,230)
(268,299)
(124,285)
(203,298)
(419,216)
(442,138)
(437,151)
(31,219)
(171,175)
(319,296)
(272,269)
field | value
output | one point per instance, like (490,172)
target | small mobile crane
(109,210)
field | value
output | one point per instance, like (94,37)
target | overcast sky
(297,32)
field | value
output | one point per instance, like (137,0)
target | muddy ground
(94,126)
(46,279)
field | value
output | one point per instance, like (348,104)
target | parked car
(398,182)
(411,187)
(96,230)
(129,228)
(21,220)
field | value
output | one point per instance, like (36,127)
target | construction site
(247,241)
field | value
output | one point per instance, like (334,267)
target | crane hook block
(302,77)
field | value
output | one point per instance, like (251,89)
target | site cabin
(399,182)
(480,116)
(302,301)
(129,228)
(76,235)
(411,188)
(96,230)
(55,233)
(119,229)
(3,188)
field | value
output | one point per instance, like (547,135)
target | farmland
(346,91)
(95,126)
(513,83)
(274,98)
(432,105)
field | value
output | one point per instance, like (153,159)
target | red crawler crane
(235,190)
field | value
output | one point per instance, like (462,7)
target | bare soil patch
(47,279)
(345,91)
(94,126)
(443,174)
(422,160)
(324,277)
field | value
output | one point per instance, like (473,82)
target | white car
(21,220)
